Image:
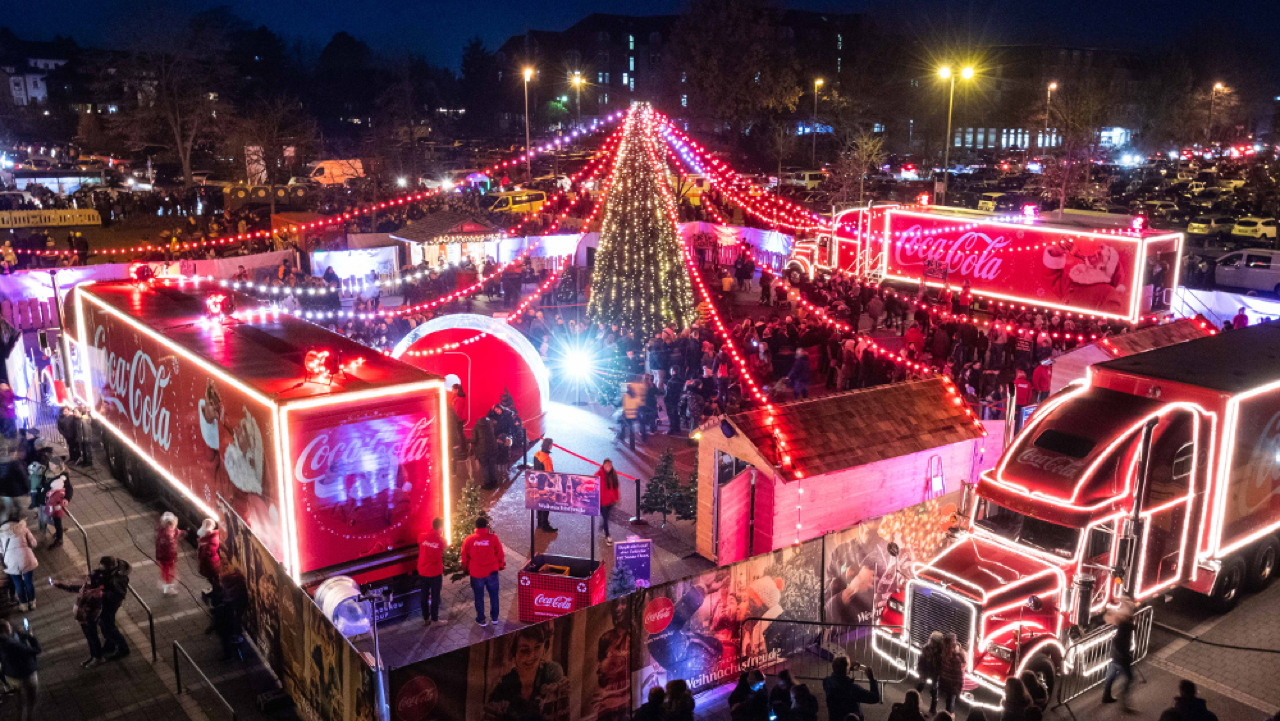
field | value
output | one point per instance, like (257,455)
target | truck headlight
(896,606)
(1000,652)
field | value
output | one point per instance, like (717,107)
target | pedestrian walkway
(117,524)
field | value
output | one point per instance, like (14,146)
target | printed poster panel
(604,679)
(433,689)
(214,439)
(861,574)
(366,477)
(525,673)
(1085,272)
(562,493)
(323,673)
(697,629)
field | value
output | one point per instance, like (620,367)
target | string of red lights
(341,217)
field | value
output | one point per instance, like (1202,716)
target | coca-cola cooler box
(552,586)
(334,454)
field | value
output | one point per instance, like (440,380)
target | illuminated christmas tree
(639,280)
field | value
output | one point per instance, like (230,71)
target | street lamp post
(1048,103)
(945,73)
(528,153)
(1213,95)
(577,85)
(813,128)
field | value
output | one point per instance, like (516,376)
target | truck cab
(1159,471)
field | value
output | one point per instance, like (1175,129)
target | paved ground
(119,525)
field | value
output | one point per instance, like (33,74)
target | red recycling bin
(552,586)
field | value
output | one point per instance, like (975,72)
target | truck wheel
(1042,667)
(1229,584)
(1262,564)
(140,480)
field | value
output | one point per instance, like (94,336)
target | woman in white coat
(16,545)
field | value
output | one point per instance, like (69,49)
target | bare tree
(1079,113)
(272,139)
(861,152)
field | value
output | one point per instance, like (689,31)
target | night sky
(437,30)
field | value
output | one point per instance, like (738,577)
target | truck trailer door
(1164,553)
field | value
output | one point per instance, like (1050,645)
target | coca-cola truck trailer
(1122,273)
(334,454)
(1160,470)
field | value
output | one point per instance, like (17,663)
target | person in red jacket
(431,570)
(482,558)
(1040,378)
(607,479)
(1021,390)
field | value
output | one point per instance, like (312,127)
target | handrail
(88,559)
(151,623)
(177,675)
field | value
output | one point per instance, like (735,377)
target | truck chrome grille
(933,610)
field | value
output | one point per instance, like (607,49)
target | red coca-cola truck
(1160,470)
(1077,265)
(334,454)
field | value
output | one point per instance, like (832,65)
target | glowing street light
(1048,101)
(528,159)
(813,129)
(576,81)
(945,73)
(1213,95)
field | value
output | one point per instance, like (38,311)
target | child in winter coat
(167,536)
(207,553)
(54,508)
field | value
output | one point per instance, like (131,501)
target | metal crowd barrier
(179,653)
(1086,660)
(807,648)
(88,560)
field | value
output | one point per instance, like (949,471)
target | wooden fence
(30,314)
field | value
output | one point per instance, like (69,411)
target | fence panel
(1087,659)
(821,643)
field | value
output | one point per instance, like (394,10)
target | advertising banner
(325,675)
(562,493)
(861,573)
(204,432)
(366,477)
(696,629)
(367,264)
(1084,272)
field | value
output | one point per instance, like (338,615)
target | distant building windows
(632,84)
(684,101)
(839,41)
(631,42)
(624,79)
(631,63)
(602,78)
(877,127)
(684,78)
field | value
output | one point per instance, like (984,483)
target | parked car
(1254,228)
(1255,269)
(1208,226)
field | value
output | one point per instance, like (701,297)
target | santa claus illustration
(1086,272)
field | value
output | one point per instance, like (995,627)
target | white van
(1255,269)
(336,172)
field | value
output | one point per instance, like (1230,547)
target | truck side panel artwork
(1251,497)
(209,436)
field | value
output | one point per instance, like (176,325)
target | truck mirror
(1034,604)
(893,549)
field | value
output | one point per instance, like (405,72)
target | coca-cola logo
(658,614)
(1051,462)
(971,254)
(417,699)
(557,603)
(322,451)
(140,383)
